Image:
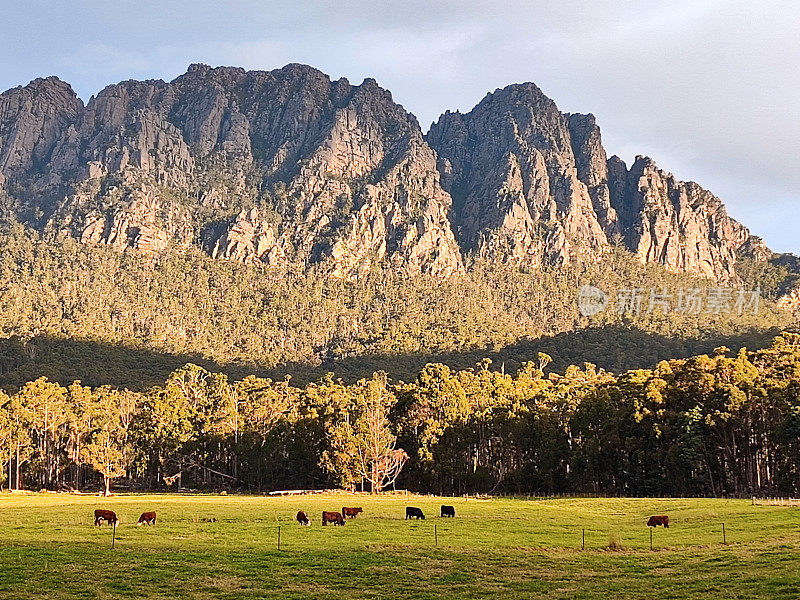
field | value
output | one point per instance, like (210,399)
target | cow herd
(348,512)
(109,516)
(334,518)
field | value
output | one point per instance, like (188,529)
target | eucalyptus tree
(43,405)
(265,409)
(6,444)
(362,441)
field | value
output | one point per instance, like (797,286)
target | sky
(709,88)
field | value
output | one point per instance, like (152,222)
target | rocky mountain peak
(510,166)
(265,166)
(289,166)
(678,224)
(531,184)
(33,119)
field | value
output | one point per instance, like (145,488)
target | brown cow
(332,517)
(302,518)
(351,513)
(147,518)
(657,520)
(108,516)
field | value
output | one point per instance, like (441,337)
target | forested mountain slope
(280,222)
(78,312)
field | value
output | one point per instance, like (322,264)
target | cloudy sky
(709,88)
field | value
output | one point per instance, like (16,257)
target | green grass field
(501,548)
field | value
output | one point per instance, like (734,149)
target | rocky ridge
(531,184)
(288,166)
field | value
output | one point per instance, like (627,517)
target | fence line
(776,501)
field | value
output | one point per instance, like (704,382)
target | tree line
(713,425)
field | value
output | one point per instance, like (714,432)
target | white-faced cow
(105,516)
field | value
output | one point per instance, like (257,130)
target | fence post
(583,539)
(435,534)
(724,539)
(114,535)
(279,537)
(651,537)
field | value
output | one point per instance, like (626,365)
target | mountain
(532,184)
(287,167)
(255,166)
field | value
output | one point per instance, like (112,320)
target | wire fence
(776,501)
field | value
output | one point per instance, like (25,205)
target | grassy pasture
(504,548)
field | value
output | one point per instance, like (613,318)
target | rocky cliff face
(678,224)
(512,171)
(531,184)
(254,166)
(287,166)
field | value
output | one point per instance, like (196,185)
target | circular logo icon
(591,300)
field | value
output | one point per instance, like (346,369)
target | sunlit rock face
(520,193)
(252,166)
(679,224)
(531,185)
(288,167)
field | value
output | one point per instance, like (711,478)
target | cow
(302,518)
(412,512)
(351,513)
(108,516)
(147,518)
(448,511)
(657,520)
(332,517)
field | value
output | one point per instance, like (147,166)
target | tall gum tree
(363,440)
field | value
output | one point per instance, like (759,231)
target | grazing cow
(147,518)
(657,520)
(412,512)
(351,513)
(108,516)
(332,517)
(448,511)
(302,518)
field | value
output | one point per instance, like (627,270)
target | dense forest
(725,423)
(69,311)
(488,307)
(178,370)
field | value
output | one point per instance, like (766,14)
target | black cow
(412,512)
(448,511)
